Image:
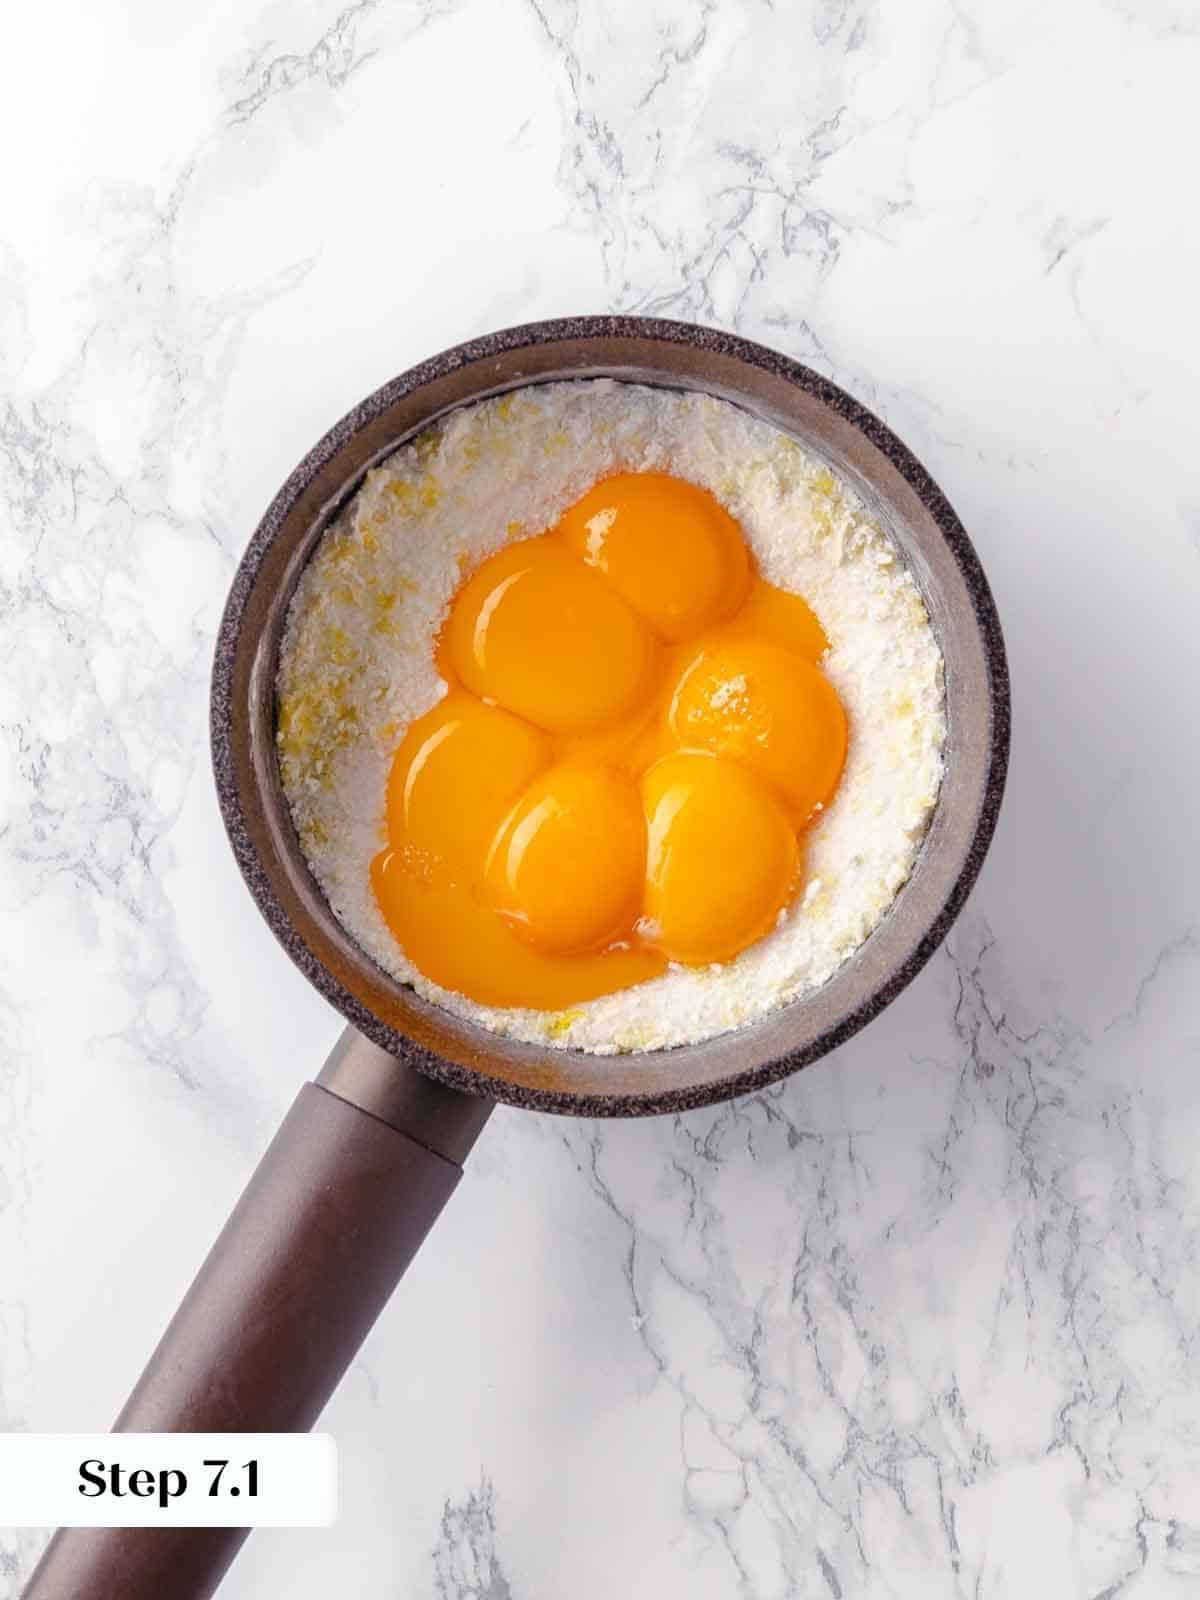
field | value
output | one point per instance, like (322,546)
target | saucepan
(371,1151)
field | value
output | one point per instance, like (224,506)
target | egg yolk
(540,634)
(667,547)
(636,734)
(721,861)
(457,772)
(463,944)
(567,865)
(769,709)
(785,619)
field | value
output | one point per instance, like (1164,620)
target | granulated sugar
(356,667)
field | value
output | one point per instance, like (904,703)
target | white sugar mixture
(356,667)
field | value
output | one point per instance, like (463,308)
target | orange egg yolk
(671,551)
(722,858)
(567,865)
(636,735)
(769,709)
(532,626)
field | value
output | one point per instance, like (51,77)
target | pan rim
(620,1102)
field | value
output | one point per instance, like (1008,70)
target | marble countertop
(921,1322)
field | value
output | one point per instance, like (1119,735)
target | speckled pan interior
(829,424)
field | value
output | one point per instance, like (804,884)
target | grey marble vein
(465,1561)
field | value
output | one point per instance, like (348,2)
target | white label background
(297,1480)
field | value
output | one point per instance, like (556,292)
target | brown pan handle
(356,1176)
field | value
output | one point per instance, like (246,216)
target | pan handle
(356,1176)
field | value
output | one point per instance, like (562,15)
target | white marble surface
(922,1322)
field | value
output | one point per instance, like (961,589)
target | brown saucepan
(370,1153)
